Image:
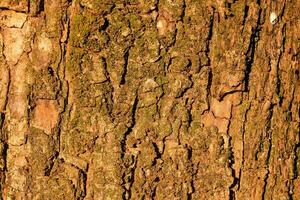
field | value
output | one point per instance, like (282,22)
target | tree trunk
(150,99)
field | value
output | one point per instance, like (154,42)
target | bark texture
(149,99)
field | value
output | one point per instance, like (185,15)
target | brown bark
(158,99)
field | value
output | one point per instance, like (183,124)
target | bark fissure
(269,133)
(250,54)
(125,68)
(129,170)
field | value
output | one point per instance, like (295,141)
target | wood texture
(149,99)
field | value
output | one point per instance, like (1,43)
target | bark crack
(251,51)
(207,53)
(125,68)
(269,135)
(127,183)
(231,161)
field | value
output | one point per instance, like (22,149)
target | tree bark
(149,99)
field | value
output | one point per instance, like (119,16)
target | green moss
(179,64)
(97,41)
(82,25)
(73,62)
(244,106)
(134,21)
(161,80)
(238,7)
(80,30)
(175,8)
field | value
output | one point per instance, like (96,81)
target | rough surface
(149,99)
